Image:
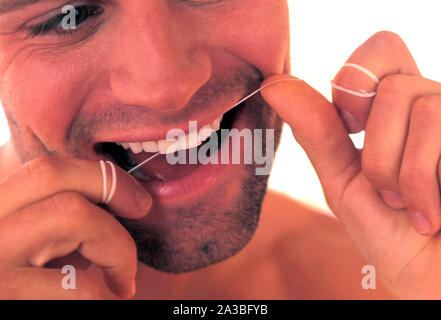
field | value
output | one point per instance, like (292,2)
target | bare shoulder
(314,255)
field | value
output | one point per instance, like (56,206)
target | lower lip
(194,184)
(197,182)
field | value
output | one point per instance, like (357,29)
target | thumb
(318,128)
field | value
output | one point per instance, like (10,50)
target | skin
(183,64)
(50,214)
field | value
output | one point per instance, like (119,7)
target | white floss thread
(114,181)
(360,93)
(106,198)
(364,70)
(104,174)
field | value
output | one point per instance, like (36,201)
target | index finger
(383,54)
(45,177)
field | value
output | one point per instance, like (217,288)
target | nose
(156,63)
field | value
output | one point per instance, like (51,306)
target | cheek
(257,32)
(43,94)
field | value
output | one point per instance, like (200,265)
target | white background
(324,34)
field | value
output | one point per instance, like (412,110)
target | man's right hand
(49,210)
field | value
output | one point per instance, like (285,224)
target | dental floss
(106,198)
(362,69)
(113,188)
(104,174)
(360,93)
(143,163)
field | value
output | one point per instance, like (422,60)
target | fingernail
(393,199)
(144,200)
(352,123)
(420,222)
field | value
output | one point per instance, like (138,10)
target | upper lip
(155,133)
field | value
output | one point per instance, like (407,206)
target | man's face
(130,72)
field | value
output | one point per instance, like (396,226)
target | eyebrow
(7,6)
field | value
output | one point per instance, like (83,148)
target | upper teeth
(191,140)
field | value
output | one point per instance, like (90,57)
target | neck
(152,284)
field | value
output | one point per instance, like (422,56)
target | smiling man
(130,71)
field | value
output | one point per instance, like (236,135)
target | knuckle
(72,206)
(391,85)
(323,132)
(88,288)
(414,176)
(406,175)
(427,108)
(377,170)
(43,168)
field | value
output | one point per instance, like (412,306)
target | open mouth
(128,155)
